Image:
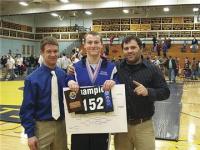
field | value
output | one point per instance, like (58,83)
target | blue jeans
(194,48)
(171,74)
(199,72)
(194,74)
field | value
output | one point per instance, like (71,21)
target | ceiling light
(195,9)
(88,12)
(54,14)
(23,3)
(126,11)
(64,1)
(166,9)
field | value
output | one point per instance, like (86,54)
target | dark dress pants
(89,141)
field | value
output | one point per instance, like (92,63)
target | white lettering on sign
(91,91)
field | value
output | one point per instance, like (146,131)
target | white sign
(100,122)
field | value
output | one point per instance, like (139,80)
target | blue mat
(167,114)
(9,113)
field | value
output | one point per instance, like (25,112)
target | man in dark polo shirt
(144,83)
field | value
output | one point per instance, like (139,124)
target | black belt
(138,121)
(51,119)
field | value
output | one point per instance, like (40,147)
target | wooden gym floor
(12,137)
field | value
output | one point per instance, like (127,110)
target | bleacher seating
(115,52)
(175,51)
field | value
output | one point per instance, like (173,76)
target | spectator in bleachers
(3,64)
(144,46)
(31,64)
(19,65)
(3,61)
(40,60)
(198,68)
(2,57)
(75,58)
(112,39)
(27,63)
(168,40)
(158,49)
(159,41)
(154,42)
(171,66)
(194,69)
(149,57)
(186,60)
(65,62)
(165,47)
(10,65)
(156,61)
(177,71)
(32,60)
(59,62)
(187,70)
(183,48)
(194,44)
(163,61)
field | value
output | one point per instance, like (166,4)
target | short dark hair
(94,34)
(48,40)
(129,38)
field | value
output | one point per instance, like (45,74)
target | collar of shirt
(46,68)
(144,63)
(103,64)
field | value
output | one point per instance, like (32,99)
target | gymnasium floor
(12,137)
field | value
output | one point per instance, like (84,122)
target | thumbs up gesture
(140,89)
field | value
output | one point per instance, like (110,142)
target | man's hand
(70,70)
(33,143)
(108,84)
(140,89)
(73,86)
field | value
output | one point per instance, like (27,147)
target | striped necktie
(54,97)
